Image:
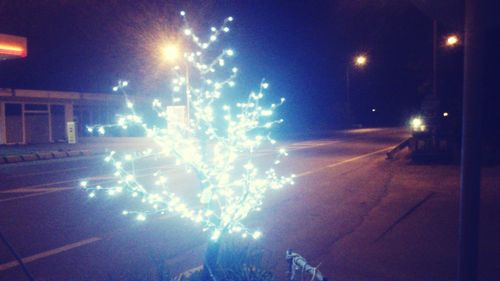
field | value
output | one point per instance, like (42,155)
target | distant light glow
(452,40)
(360,60)
(170,53)
(417,124)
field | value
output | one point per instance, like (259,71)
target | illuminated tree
(216,142)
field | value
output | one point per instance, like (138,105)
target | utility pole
(359,61)
(470,174)
(434,57)
(348,97)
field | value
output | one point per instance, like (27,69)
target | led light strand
(222,158)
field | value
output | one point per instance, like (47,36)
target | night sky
(301,47)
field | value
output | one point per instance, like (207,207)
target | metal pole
(188,93)
(17,257)
(434,56)
(348,96)
(210,262)
(471,142)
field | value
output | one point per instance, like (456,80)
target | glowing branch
(220,154)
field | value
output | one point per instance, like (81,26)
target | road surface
(353,213)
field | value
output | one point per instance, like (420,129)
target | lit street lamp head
(452,40)
(170,53)
(360,60)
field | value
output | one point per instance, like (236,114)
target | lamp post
(359,61)
(451,41)
(171,54)
(431,103)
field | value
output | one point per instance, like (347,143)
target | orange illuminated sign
(12,47)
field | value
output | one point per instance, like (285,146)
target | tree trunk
(210,262)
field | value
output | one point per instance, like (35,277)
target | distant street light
(359,62)
(417,124)
(452,40)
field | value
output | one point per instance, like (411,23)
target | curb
(59,154)
(45,155)
(13,158)
(73,153)
(29,157)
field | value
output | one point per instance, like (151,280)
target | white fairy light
(227,197)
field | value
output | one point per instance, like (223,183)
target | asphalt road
(359,216)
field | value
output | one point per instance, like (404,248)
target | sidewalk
(84,147)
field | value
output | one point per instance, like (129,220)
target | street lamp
(171,54)
(452,40)
(359,61)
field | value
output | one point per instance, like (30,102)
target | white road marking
(46,172)
(48,184)
(29,195)
(34,190)
(294,147)
(49,253)
(342,162)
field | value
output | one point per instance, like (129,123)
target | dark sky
(301,47)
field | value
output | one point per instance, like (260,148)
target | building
(33,116)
